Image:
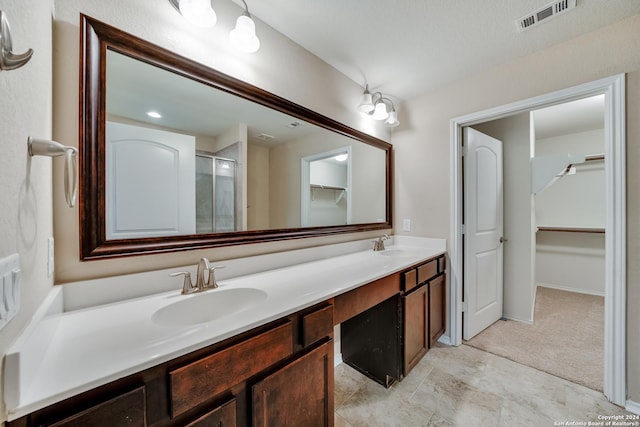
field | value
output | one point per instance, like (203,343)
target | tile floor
(463,386)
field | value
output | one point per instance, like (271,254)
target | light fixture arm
(246,9)
(382,99)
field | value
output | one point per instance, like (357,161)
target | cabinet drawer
(409,280)
(222,416)
(427,270)
(128,409)
(363,298)
(317,325)
(199,381)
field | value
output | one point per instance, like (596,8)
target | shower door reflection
(215,194)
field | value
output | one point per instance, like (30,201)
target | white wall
(574,200)
(572,261)
(367,181)
(305,80)
(519,255)
(257,187)
(25,109)
(422,141)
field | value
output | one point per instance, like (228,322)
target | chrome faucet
(202,283)
(378,244)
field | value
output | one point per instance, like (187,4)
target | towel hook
(9,60)
(44,147)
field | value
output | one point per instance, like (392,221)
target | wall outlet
(10,274)
(406,225)
(50,259)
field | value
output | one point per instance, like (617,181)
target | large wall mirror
(176,156)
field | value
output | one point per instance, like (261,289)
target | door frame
(615,312)
(305,181)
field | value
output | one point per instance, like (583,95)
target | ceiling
(406,48)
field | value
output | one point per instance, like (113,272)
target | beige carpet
(566,339)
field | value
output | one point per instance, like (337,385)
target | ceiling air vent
(265,137)
(545,13)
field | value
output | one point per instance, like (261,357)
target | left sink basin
(208,306)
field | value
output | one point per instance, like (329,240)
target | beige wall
(304,80)
(367,197)
(26,218)
(422,141)
(258,187)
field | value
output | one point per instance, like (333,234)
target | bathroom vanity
(271,364)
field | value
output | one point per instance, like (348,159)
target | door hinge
(463,150)
(463,229)
(463,306)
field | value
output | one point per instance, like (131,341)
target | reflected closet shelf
(594,230)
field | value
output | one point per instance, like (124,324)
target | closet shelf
(593,230)
(327,187)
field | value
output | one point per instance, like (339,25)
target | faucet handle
(187,285)
(211,280)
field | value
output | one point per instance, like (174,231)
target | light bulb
(392,121)
(341,157)
(380,112)
(198,12)
(366,103)
(243,36)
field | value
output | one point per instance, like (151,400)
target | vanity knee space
(388,325)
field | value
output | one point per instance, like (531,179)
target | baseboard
(633,407)
(444,339)
(337,359)
(528,322)
(568,289)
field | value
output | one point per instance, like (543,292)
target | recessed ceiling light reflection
(154,114)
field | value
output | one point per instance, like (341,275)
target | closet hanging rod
(593,157)
(327,187)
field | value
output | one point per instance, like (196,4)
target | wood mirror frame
(96,37)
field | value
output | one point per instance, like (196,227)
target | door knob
(502,239)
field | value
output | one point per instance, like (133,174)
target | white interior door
(150,188)
(483,219)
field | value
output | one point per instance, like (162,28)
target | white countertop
(64,353)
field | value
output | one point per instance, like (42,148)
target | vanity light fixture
(201,14)
(198,12)
(378,107)
(243,36)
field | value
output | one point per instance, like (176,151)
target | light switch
(9,288)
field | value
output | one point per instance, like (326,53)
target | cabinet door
(299,394)
(437,308)
(416,342)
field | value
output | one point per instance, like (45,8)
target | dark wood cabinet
(282,369)
(126,410)
(299,394)
(416,324)
(280,373)
(437,306)
(386,340)
(222,416)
